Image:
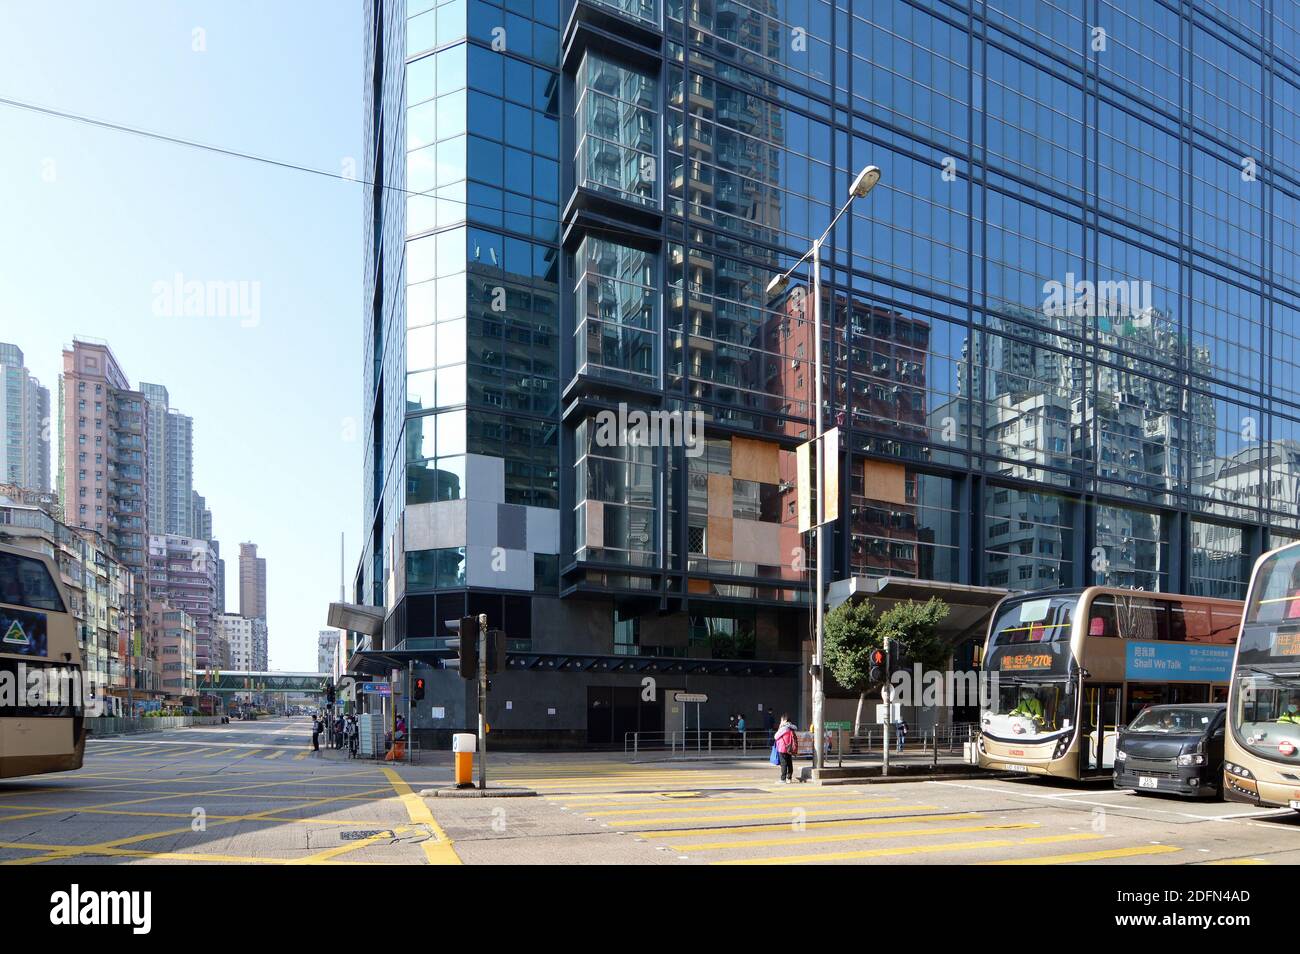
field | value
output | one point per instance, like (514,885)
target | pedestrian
(731,720)
(315,735)
(901,728)
(740,726)
(353,736)
(769,724)
(786,745)
(338,732)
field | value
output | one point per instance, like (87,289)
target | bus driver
(1030,707)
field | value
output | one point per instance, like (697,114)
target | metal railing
(757,743)
(100,726)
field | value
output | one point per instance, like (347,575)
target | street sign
(830,473)
(690,697)
(827,449)
(843,726)
(376,688)
(883,714)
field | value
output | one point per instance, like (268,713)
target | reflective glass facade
(1062,334)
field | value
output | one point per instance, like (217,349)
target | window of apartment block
(616,128)
(615,495)
(617,304)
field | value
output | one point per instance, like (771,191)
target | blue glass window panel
(451,69)
(545,217)
(547,11)
(519,35)
(421,80)
(519,173)
(485,160)
(518,256)
(546,179)
(485,116)
(484,250)
(486,68)
(483,19)
(518,80)
(546,44)
(451,115)
(546,96)
(421,33)
(485,203)
(546,134)
(451,21)
(421,124)
(518,126)
(518,213)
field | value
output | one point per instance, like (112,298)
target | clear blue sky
(277,449)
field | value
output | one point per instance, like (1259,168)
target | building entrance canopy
(969,607)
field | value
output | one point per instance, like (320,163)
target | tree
(916,627)
(852,630)
(849,635)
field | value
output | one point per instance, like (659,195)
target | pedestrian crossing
(150,751)
(775,825)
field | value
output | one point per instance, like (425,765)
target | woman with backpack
(786,746)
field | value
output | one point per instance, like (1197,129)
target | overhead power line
(219,150)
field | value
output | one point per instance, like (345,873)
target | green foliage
(853,630)
(916,627)
(850,635)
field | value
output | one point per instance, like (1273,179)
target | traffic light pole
(482,699)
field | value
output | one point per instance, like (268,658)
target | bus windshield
(1266,712)
(25,582)
(1026,709)
(1029,653)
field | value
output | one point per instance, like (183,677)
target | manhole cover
(362,835)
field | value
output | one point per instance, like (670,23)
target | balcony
(645,11)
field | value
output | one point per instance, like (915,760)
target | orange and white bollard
(463,745)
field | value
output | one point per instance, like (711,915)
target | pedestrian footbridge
(236,680)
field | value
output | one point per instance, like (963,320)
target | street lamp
(863,183)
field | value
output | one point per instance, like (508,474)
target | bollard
(463,745)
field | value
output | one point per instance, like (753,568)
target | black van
(1177,749)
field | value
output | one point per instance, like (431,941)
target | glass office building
(1061,334)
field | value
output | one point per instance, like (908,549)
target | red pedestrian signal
(878,665)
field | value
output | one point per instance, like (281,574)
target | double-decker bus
(1262,750)
(40,730)
(1066,669)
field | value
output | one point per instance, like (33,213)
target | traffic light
(329,690)
(496,651)
(465,641)
(879,665)
(893,656)
(419,688)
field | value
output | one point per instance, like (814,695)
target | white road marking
(1061,796)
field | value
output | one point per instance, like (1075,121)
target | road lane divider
(905,850)
(436,852)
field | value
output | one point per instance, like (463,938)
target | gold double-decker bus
(1067,669)
(42,719)
(1262,751)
